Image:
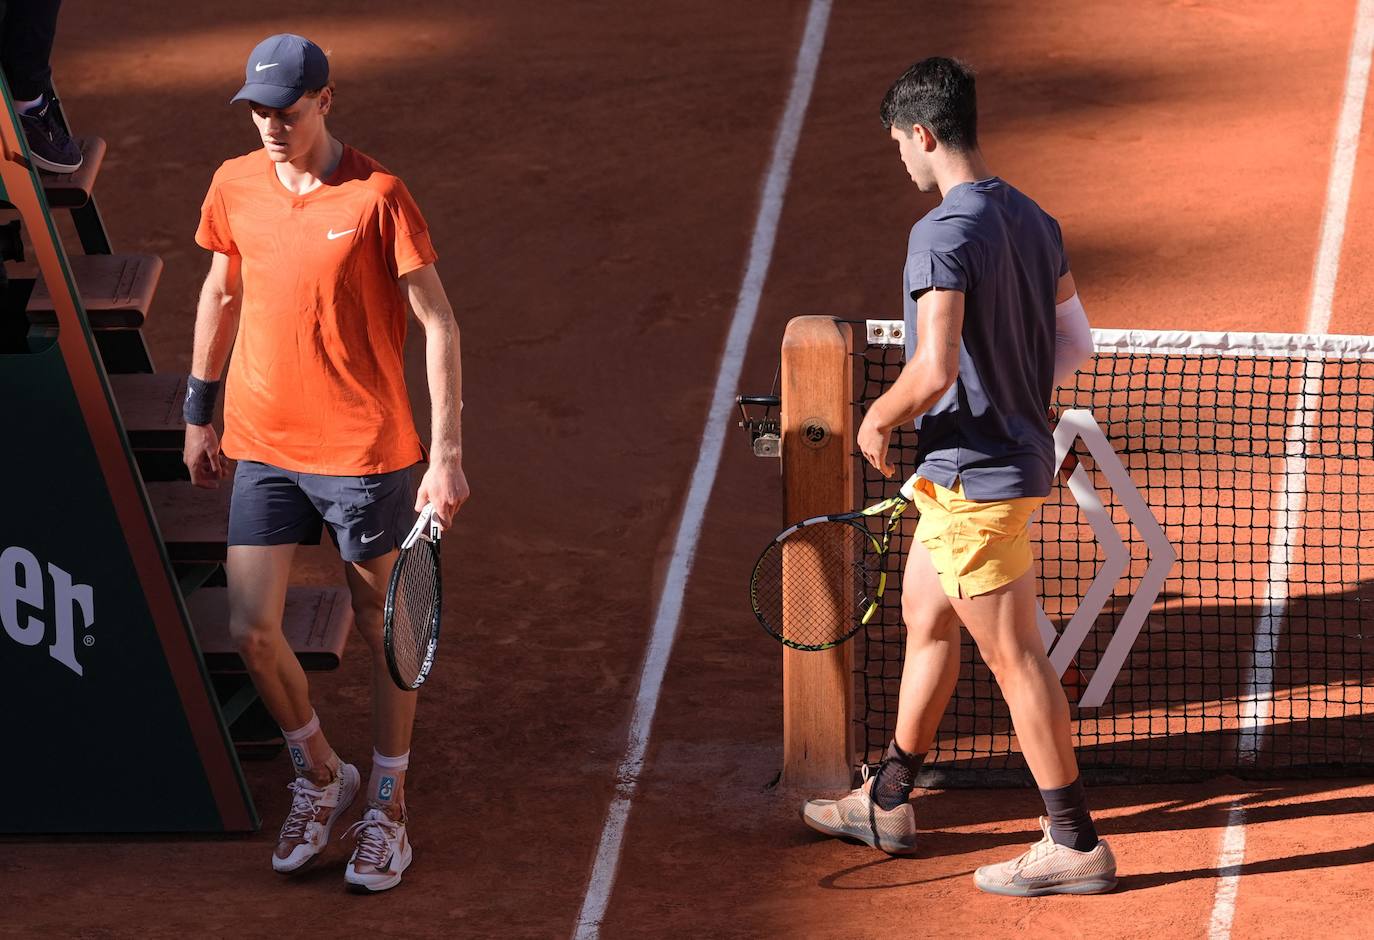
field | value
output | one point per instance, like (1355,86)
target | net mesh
(1256,456)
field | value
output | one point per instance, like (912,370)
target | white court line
(1228,866)
(669,612)
(1258,707)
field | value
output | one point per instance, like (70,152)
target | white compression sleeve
(1073,339)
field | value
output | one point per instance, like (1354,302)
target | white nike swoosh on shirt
(270,65)
(366,538)
(333,234)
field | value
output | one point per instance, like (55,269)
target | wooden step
(116,290)
(317,623)
(150,406)
(73,190)
(194,521)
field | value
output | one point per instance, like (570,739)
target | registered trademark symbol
(88,640)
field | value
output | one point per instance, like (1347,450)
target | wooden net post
(818,478)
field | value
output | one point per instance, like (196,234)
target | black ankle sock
(895,778)
(1070,822)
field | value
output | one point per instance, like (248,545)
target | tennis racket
(410,629)
(822,579)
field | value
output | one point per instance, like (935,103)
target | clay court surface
(591,174)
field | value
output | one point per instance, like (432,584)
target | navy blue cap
(281,69)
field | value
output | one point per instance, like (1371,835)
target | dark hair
(936,93)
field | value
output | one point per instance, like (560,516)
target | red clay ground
(591,177)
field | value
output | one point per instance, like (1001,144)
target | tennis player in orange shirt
(316,251)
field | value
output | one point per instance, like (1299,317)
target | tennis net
(1254,655)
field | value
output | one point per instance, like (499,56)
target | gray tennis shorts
(368,516)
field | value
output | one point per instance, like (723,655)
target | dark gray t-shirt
(1006,254)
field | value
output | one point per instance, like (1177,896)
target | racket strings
(812,589)
(416,598)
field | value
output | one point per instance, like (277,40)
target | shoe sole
(359,887)
(850,836)
(1089,886)
(47,166)
(328,831)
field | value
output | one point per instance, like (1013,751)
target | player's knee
(256,643)
(367,618)
(926,625)
(1009,660)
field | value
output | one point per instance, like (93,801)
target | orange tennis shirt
(316,382)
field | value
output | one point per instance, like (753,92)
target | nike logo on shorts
(261,68)
(333,234)
(371,538)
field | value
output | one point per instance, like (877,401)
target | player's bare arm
(444,483)
(217,322)
(924,379)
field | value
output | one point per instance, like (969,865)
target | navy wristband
(200,400)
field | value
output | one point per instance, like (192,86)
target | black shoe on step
(50,146)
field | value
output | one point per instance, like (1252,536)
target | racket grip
(908,489)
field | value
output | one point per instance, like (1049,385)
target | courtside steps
(112,296)
(75,190)
(72,191)
(116,292)
(150,407)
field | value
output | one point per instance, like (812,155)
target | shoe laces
(1034,853)
(304,796)
(374,833)
(864,774)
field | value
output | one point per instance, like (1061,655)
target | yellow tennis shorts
(977,547)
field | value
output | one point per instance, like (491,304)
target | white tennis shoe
(382,854)
(858,818)
(1050,868)
(314,811)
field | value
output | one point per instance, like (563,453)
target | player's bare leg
(931,668)
(324,786)
(929,674)
(383,849)
(878,812)
(1003,624)
(258,576)
(393,709)
(1069,858)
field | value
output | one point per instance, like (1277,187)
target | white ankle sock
(385,773)
(24,107)
(295,744)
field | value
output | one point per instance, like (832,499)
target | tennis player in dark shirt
(993,324)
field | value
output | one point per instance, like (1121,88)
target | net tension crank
(765,431)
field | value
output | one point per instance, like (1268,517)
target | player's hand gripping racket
(413,601)
(822,579)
